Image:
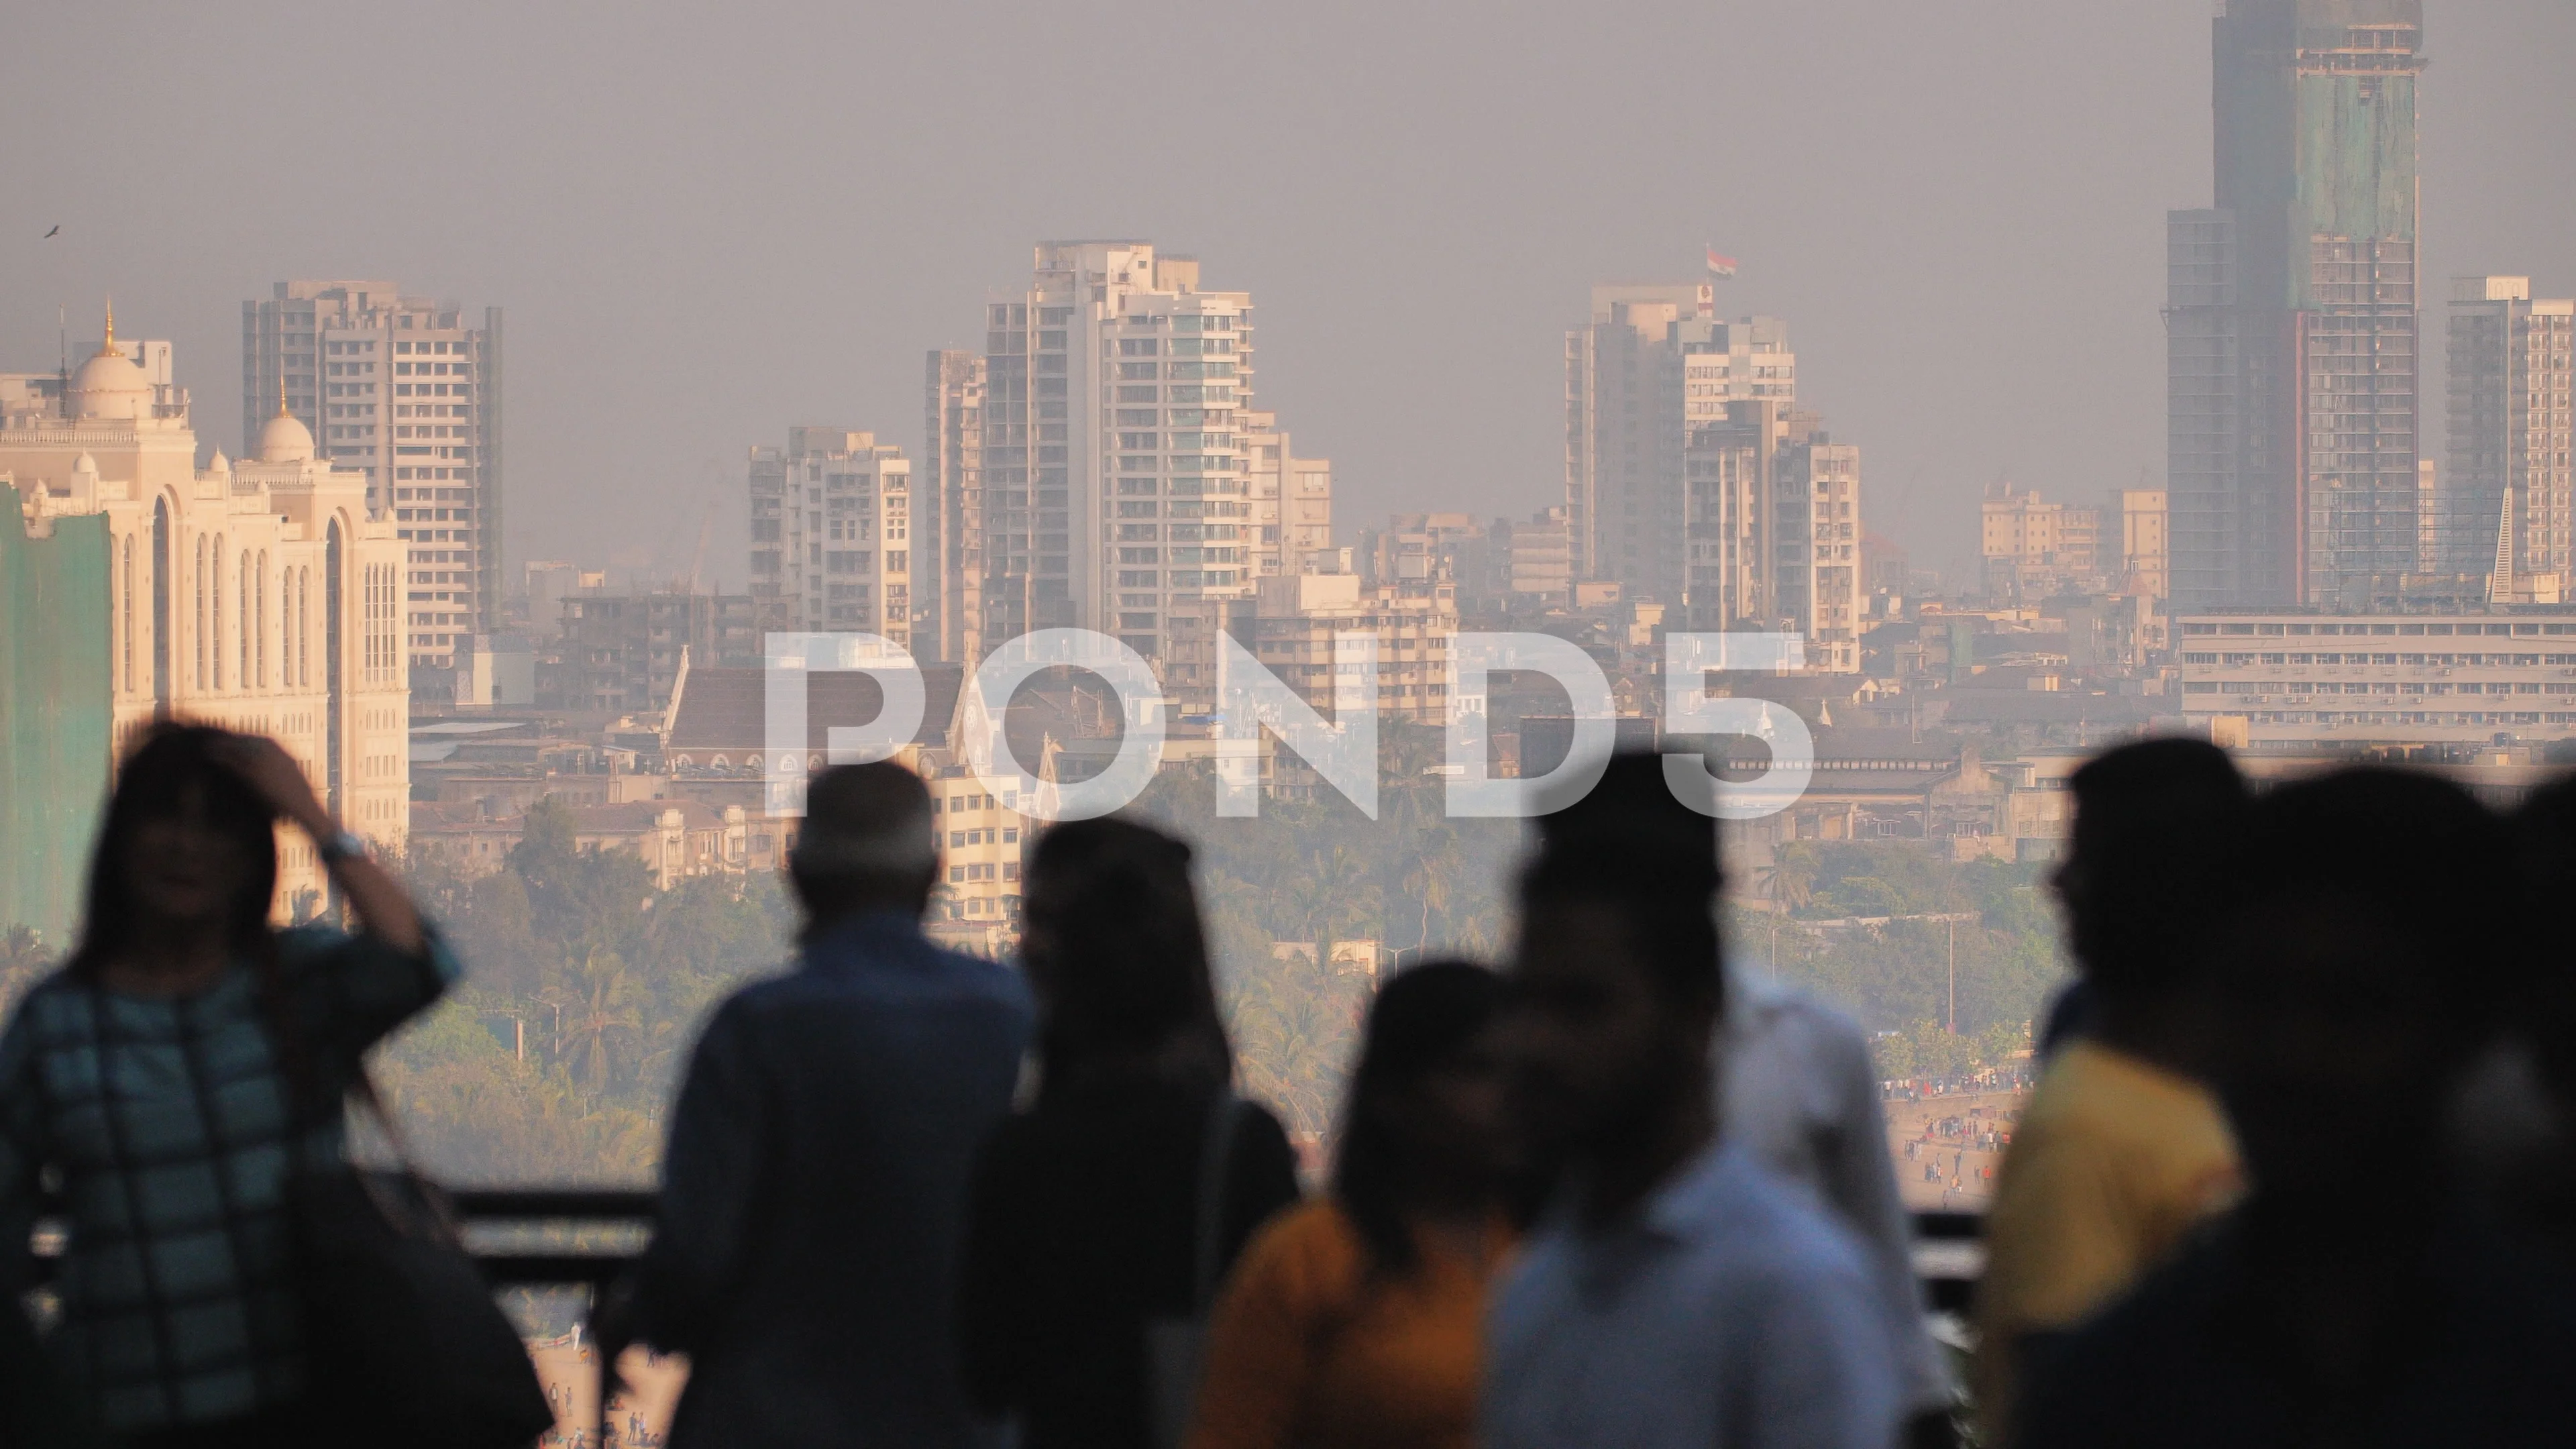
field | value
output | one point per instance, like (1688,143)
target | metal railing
(617,1222)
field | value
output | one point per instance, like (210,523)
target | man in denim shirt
(805,1256)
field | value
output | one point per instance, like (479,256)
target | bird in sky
(49,236)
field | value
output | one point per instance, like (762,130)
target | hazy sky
(710,222)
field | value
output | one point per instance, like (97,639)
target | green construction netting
(55,713)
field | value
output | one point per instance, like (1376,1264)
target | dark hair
(1117,950)
(1632,809)
(2153,854)
(1421,1018)
(868,835)
(154,784)
(2410,857)
(1666,900)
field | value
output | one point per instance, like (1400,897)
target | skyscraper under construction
(2294,366)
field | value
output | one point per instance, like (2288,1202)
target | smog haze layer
(709,223)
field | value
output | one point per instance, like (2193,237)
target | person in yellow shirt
(2124,1146)
(1354,1321)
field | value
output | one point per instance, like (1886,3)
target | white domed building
(258,593)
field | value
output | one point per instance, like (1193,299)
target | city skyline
(1876,269)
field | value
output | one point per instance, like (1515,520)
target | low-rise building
(1295,619)
(983,843)
(675,838)
(623,651)
(2342,683)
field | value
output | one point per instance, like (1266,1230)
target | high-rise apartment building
(2293,365)
(1816,554)
(406,393)
(831,535)
(1675,422)
(262,594)
(1115,459)
(1100,465)
(2509,485)
(948,613)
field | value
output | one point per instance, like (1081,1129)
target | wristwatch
(347,845)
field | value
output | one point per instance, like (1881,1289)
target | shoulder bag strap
(1216,1165)
(297,1067)
(433,1201)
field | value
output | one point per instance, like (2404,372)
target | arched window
(333,593)
(215,609)
(161,601)
(125,609)
(245,597)
(201,611)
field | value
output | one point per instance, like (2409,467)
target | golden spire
(281,392)
(107,348)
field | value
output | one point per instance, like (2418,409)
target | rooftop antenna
(62,359)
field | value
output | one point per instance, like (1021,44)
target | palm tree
(1334,890)
(1412,794)
(598,1018)
(1437,866)
(1295,1020)
(1792,879)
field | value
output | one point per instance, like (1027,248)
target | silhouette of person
(806,1249)
(1355,1320)
(2123,1146)
(1086,1218)
(183,1063)
(2339,1303)
(1677,1292)
(1794,1080)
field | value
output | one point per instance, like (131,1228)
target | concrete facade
(2322,682)
(263,595)
(831,535)
(1415,620)
(405,392)
(2508,492)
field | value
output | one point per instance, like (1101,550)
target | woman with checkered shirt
(168,1081)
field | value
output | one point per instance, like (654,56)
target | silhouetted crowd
(2298,1169)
